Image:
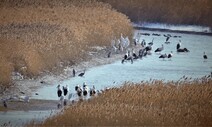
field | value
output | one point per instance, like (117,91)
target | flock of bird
(123,44)
(118,46)
(64,95)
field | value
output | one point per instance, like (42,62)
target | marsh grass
(192,12)
(153,103)
(44,35)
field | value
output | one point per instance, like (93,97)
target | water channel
(189,64)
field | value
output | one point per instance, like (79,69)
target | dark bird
(42,82)
(92,91)
(148,48)
(182,50)
(143,43)
(65,90)
(85,89)
(78,89)
(131,59)
(65,102)
(178,45)
(170,55)
(126,56)
(22,92)
(168,35)
(125,60)
(59,91)
(159,49)
(74,73)
(59,105)
(205,56)
(146,34)
(82,74)
(135,56)
(186,50)
(155,34)
(151,43)
(163,56)
(167,38)
(135,41)
(141,53)
(108,55)
(5,104)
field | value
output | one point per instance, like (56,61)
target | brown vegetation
(39,35)
(196,12)
(153,103)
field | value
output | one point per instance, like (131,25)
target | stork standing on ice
(85,89)
(65,90)
(92,91)
(59,91)
(60,96)
(78,89)
(178,45)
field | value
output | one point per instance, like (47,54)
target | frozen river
(190,64)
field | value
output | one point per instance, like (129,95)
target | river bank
(153,103)
(97,56)
(101,76)
(27,87)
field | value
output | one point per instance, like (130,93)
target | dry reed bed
(166,11)
(40,35)
(153,103)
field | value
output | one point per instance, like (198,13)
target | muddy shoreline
(27,87)
(33,105)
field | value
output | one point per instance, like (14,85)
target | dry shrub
(154,103)
(33,61)
(5,70)
(47,34)
(23,58)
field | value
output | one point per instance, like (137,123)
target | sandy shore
(27,87)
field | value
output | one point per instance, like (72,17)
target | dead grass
(153,103)
(191,12)
(41,35)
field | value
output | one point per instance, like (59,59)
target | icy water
(191,28)
(190,64)
(20,118)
